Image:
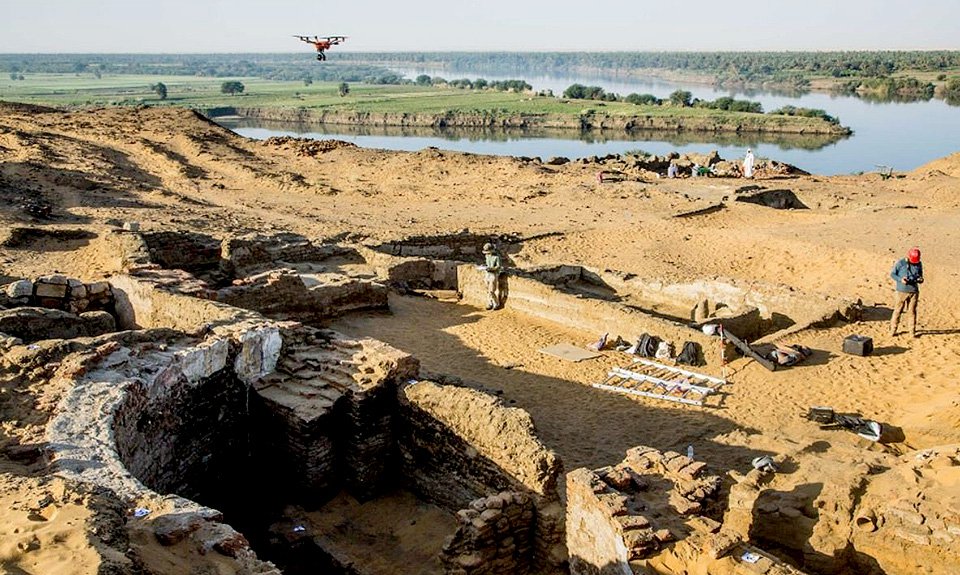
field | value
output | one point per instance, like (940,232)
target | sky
(177,26)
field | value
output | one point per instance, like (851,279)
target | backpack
(691,354)
(648,345)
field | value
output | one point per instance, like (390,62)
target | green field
(203,93)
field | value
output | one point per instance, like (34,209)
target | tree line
(743,65)
(267,66)
(478,84)
(685,99)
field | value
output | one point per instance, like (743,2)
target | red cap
(913,256)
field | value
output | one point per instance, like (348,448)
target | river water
(900,135)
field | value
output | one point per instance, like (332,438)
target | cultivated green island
(500,105)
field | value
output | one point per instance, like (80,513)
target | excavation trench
(331,448)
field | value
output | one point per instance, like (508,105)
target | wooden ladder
(651,379)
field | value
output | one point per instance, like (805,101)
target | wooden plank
(749,351)
(569,352)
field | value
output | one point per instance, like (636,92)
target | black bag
(648,345)
(691,354)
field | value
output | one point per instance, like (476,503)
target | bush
(806,113)
(951,93)
(681,98)
(343,89)
(581,92)
(232,87)
(161,90)
(644,99)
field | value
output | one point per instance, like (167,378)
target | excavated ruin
(203,392)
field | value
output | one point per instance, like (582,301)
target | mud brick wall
(462,247)
(282,294)
(367,443)
(301,450)
(251,251)
(31,324)
(184,438)
(628,512)
(59,292)
(494,535)
(187,251)
(908,520)
(458,445)
(805,309)
(340,294)
(326,414)
(592,316)
(139,304)
(423,274)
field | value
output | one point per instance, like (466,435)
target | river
(900,135)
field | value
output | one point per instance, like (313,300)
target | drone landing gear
(321,56)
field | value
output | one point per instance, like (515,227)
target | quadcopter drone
(321,43)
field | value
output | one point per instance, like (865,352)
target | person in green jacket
(493,268)
(908,275)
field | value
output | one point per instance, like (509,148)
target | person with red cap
(908,275)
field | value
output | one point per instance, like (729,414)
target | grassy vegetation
(204,93)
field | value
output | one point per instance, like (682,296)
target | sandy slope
(170,169)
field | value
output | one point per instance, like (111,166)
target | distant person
(493,268)
(748,161)
(908,275)
(672,170)
(695,170)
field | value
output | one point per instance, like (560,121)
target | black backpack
(691,354)
(648,345)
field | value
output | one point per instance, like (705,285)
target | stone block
(78,291)
(918,535)
(907,516)
(490,515)
(204,360)
(619,478)
(58,291)
(55,279)
(694,470)
(664,535)
(174,528)
(231,545)
(683,505)
(704,524)
(97,288)
(259,352)
(720,543)
(629,522)
(614,503)
(675,464)
(20,288)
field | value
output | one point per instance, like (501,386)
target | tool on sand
(829,419)
(651,379)
(748,351)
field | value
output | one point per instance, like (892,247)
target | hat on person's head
(488,248)
(913,256)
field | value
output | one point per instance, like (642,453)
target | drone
(321,43)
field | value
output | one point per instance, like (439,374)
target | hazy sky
(414,25)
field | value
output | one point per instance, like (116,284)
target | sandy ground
(168,169)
